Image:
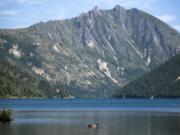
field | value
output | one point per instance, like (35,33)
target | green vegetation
(6,116)
(14,82)
(162,82)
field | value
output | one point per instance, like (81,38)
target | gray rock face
(95,53)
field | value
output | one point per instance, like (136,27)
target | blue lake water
(71,116)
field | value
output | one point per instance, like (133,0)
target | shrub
(5,116)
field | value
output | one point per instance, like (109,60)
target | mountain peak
(118,8)
(96,8)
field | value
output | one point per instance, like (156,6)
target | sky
(23,13)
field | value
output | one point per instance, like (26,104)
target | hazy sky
(22,13)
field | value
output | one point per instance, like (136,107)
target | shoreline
(73,97)
(128,110)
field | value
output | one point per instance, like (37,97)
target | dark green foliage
(5,116)
(15,82)
(160,83)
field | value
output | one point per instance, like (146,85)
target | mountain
(163,81)
(16,81)
(95,53)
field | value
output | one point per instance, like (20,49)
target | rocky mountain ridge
(95,53)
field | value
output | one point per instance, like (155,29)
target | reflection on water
(75,123)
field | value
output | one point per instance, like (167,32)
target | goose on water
(93,125)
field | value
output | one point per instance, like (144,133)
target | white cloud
(9,12)
(126,3)
(31,2)
(3,2)
(177,27)
(21,1)
(167,18)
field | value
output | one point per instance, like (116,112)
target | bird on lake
(93,125)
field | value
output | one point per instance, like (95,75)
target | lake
(72,116)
